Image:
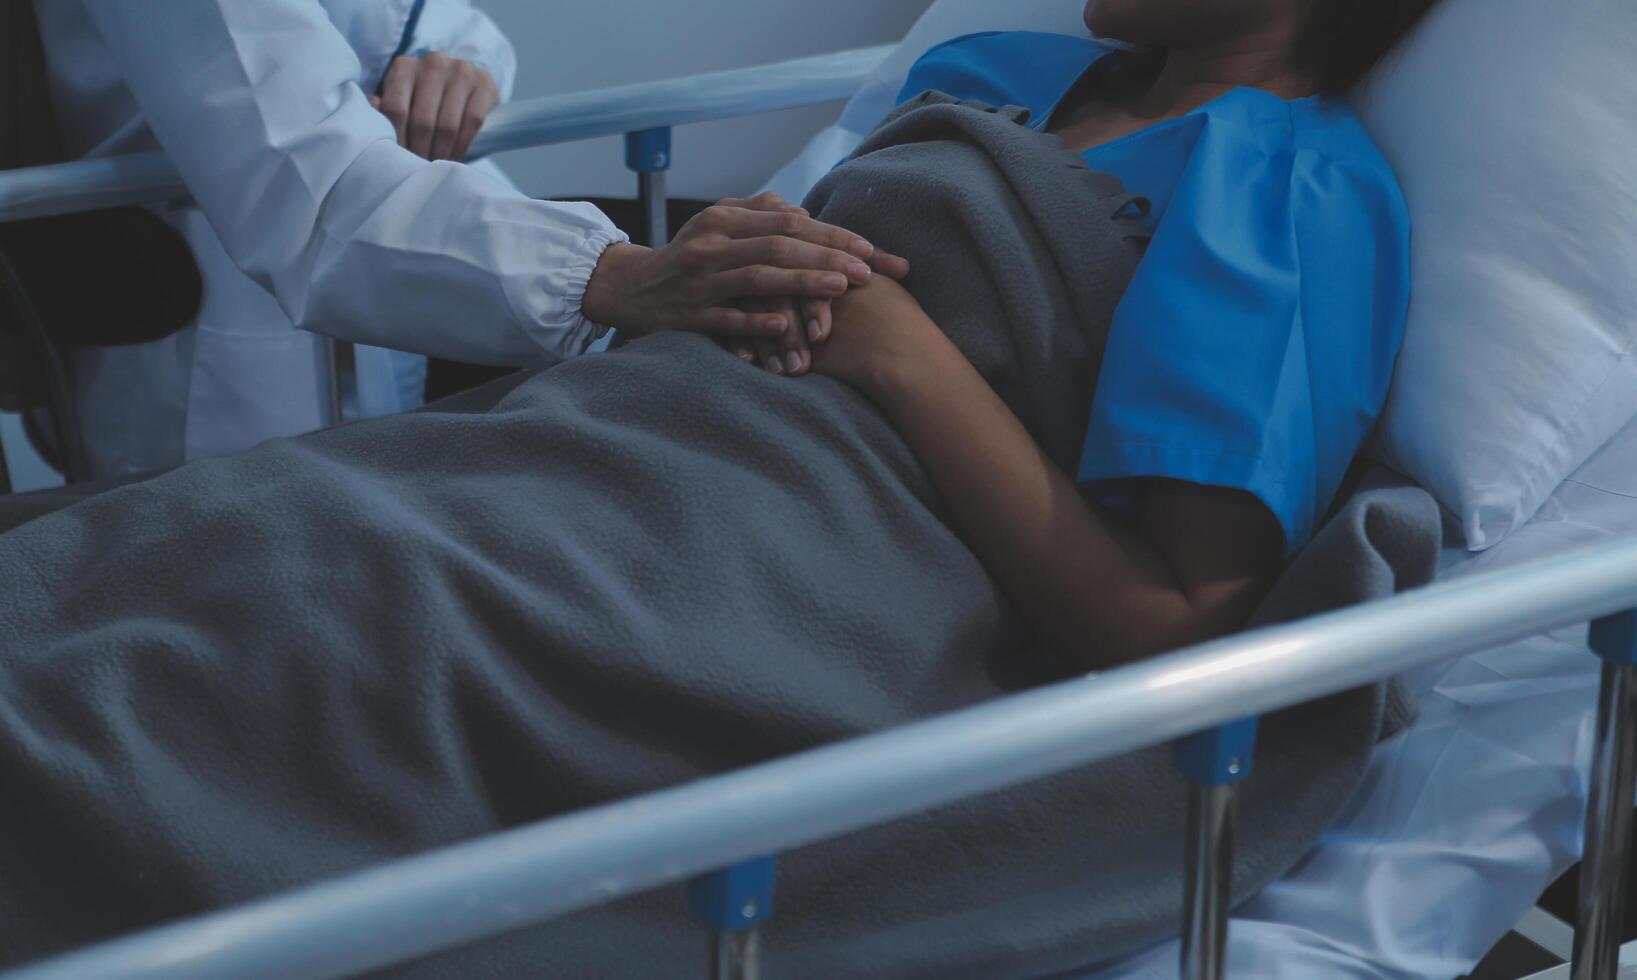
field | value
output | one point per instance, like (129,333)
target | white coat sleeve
(255,102)
(460,30)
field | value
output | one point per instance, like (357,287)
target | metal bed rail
(441,899)
(643,112)
(87,185)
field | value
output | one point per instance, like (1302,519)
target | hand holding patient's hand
(734,251)
(436,103)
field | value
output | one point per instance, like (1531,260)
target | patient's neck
(1193,76)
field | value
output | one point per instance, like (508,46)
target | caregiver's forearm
(1094,589)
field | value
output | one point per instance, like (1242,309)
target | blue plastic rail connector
(1614,638)
(735,897)
(1219,755)
(648,151)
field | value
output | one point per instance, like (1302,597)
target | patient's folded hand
(807,319)
(788,352)
(864,330)
(879,332)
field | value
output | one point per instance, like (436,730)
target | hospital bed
(1462,820)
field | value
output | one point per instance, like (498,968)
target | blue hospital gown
(1255,343)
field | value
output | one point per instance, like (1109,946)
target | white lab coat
(306,217)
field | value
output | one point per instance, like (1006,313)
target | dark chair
(34,377)
(116,276)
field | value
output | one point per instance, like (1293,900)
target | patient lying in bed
(640,568)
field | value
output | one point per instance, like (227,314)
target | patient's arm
(1098,591)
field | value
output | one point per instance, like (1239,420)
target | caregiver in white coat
(308,217)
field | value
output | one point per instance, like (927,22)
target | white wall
(585,44)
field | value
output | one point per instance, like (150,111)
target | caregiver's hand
(736,249)
(436,103)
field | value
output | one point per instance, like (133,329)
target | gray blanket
(616,575)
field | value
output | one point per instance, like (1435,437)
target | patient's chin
(1121,21)
(1174,23)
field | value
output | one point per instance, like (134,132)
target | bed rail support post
(733,902)
(648,153)
(1608,802)
(332,380)
(1213,761)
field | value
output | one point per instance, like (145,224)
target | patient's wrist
(910,375)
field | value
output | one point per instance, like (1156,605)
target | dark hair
(1339,41)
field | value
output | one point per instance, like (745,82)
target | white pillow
(1512,125)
